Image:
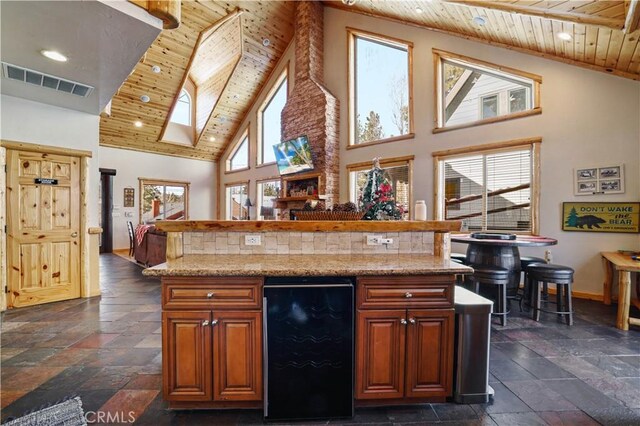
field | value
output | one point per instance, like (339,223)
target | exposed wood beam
(204,34)
(619,73)
(580,18)
(632,22)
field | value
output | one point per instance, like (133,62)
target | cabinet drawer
(231,293)
(405,292)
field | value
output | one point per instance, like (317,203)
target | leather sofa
(153,249)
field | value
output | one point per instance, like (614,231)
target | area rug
(66,413)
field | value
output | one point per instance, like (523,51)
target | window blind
(490,191)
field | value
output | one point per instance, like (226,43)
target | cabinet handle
(214,322)
(408,295)
(205,323)
(403,321)
(209,295)
(412,321)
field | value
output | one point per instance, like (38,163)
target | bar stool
(459,256)
(525,262)
(497,277)
(562,277)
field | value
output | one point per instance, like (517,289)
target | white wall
(131,165)
(32,122)
(588,118)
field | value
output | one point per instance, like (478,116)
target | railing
(468,198)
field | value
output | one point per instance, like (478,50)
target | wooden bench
(624,265)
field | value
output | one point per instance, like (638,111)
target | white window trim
(227,202)
(234,151)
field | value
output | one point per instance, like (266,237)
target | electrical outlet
(386,241)
(374,240)
(252,240)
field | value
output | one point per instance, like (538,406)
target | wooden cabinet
(212,357)
(186,356)
(404,353)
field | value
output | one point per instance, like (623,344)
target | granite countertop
(306,265)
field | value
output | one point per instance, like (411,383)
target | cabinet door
(237,356)
(380,351)
(186,356)
(429,353)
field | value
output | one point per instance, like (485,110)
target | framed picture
(129,197)
(599,180)
(601,217)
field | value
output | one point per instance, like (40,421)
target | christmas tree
(377,199)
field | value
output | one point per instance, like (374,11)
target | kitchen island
(212,296)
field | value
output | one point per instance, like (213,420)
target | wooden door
(380,352)
(429,353)
(43,228)
(237,356)
(186,355)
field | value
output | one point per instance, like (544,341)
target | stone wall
(311,109)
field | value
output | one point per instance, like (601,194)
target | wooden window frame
(352,34)
(244,135)
(151,181)
(384,163)
(227,185)
(283,78)
(439,56)
(259,195)
(505,146)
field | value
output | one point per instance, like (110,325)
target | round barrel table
(499,252)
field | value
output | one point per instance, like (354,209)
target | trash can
(471,349)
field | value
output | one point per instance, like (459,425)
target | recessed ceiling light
(138,124)
(53,55)
(266,42)
(564,36)
(479,20)
(145,98)
(212,139)
(418,10)
(156,69)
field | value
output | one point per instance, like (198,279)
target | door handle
(209,295)
(412,321)
(403,321)
(205,323)
(214,322)
(408,295)
(74,234)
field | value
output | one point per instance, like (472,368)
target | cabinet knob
(408,295)
(214,322)
(209,295)
(403,321)
(412,321)
(205,323)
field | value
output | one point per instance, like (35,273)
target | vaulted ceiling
(219,45)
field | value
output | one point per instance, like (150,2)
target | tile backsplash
(305,243)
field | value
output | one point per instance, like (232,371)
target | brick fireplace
(311,109)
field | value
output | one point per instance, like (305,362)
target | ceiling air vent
(44,80)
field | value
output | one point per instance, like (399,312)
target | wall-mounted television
(293,156)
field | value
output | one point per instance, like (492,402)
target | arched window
(182,111)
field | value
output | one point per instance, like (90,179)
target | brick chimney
(311,109)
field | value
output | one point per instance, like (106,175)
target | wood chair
(132,238)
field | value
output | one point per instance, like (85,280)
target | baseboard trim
(581,295)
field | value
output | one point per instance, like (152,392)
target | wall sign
(601,217)
(45,181)
(129,197)
(599,180)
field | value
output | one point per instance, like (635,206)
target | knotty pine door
(43,228)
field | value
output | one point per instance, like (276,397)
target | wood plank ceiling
(229,68)
(231,64)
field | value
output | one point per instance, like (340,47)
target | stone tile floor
(107,351)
